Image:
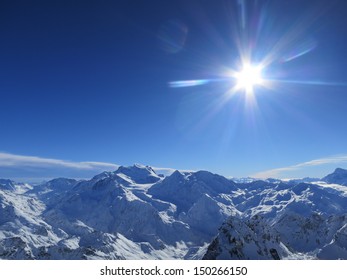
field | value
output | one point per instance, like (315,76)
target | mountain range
(135,213)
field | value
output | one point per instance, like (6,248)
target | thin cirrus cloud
(8,160)
(278,172)
(168,171)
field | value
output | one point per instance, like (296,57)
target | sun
(249,76)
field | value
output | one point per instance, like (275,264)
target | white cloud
(11,160)
(276,173)
(168,171)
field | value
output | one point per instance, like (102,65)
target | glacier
(135,213)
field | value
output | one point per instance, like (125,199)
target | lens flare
(188,83)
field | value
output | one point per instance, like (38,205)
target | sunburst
(248,77)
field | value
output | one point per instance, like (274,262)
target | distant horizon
(33,166)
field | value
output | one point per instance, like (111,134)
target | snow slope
(251,239)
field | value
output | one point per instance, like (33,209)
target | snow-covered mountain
(339,176)
(246,239)
(9,185)
(133,213)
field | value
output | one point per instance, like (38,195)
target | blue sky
(86,82)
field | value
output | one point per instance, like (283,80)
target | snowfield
(135,213)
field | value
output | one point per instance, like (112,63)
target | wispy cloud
(276,173)
(11,160)
(168,171)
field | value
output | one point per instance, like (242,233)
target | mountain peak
(136,167)
(139,173)
(61,181)
(340,170)
(246,239)
(176,174)
(339,176)
(6,184)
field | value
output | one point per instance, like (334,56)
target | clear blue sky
(88,81)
